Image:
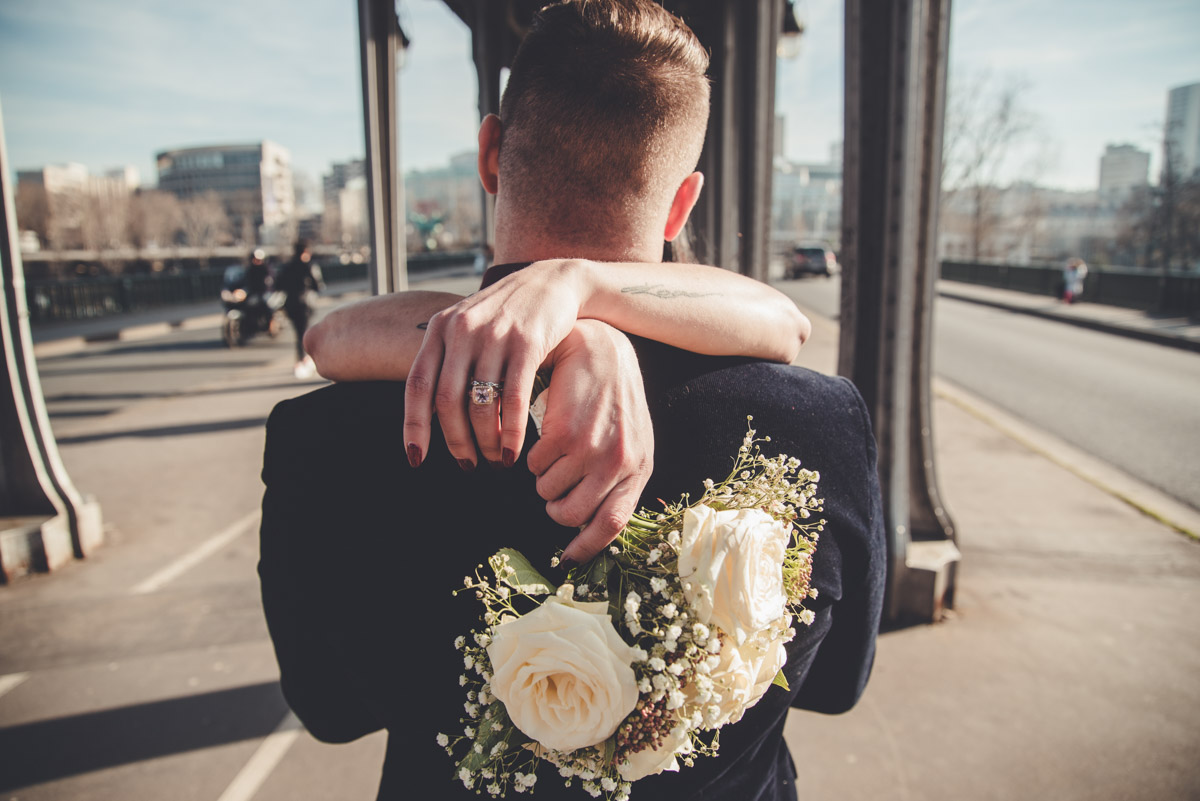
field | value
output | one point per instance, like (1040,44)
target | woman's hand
(500,334)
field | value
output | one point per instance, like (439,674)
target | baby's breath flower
(657,664)
(668,611)
(658,584)
(654,555)
(443,740)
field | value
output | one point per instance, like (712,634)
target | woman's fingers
(483,405)
(418,398)
(518,392)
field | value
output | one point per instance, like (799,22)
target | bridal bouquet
(631,665)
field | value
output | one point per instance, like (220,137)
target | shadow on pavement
(88,397)
(168,431)
(143,368)
(53,749)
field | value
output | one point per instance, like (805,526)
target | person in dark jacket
(299,280)
(361,544)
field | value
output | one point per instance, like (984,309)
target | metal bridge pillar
(380,40)
(896,53)
(44,521)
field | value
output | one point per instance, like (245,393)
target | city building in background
(444,206)
(1123,169)
(64,206)
(253,183)
(1182,134)
(806,205)
(344,189)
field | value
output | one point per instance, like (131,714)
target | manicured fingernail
(510,458)
(414,455)
(466,464)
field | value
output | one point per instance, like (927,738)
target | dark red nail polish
(414,455)
(510,458)
(466,464)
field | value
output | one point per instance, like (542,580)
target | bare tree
(65,219)
(986,122)
(105,226)
(155,219)
(204,222)
(33,210)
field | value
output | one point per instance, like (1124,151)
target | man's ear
(685,199)
(489,153)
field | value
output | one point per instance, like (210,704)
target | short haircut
(604,114)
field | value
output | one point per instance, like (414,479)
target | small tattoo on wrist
(659,291)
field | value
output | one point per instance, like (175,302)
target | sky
(110,82)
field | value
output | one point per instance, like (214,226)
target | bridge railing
(1172,293)
(88,298)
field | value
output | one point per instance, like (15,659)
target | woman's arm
(702,309)
(376,338)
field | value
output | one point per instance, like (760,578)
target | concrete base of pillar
(927,588)
(40,543)
(34,544)
(90,525)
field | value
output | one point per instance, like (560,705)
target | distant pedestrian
(1073,275)
(300,280)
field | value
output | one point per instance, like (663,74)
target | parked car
(812,260)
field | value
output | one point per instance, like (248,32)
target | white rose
(731,564)
(648,762)
(563,673)
(745,672)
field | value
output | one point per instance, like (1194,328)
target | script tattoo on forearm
(659,291)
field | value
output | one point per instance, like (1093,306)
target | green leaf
(486,736)
(524,578)
(610,751)
(780,681)
(601,566)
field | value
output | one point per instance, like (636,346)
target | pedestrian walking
(1074,273)
(300,280)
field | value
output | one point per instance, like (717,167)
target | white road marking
(255,772)
(197,555)
(10,681)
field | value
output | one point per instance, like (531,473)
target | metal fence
(1172,293)
(88,298)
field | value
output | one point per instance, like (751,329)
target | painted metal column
(895,101)
(731,222)
(379,41)
(44,521)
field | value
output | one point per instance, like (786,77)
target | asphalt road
(1132,404)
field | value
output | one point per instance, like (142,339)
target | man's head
(600,127)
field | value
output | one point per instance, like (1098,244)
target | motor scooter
(247,311)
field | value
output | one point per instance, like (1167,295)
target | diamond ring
(485,392)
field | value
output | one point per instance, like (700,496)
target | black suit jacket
(360,554)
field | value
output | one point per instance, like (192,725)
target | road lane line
(196,556)
(269,753)
(10,681)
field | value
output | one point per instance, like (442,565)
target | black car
(811,260)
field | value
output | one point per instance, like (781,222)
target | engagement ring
(485,392)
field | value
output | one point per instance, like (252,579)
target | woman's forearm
(376,338)
(702,309)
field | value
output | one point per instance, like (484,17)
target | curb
(1146,335)
(1146,499)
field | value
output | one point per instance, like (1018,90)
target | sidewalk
(1066,671)
(1180,332)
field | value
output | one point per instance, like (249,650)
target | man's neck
(602,252)
(515,243)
